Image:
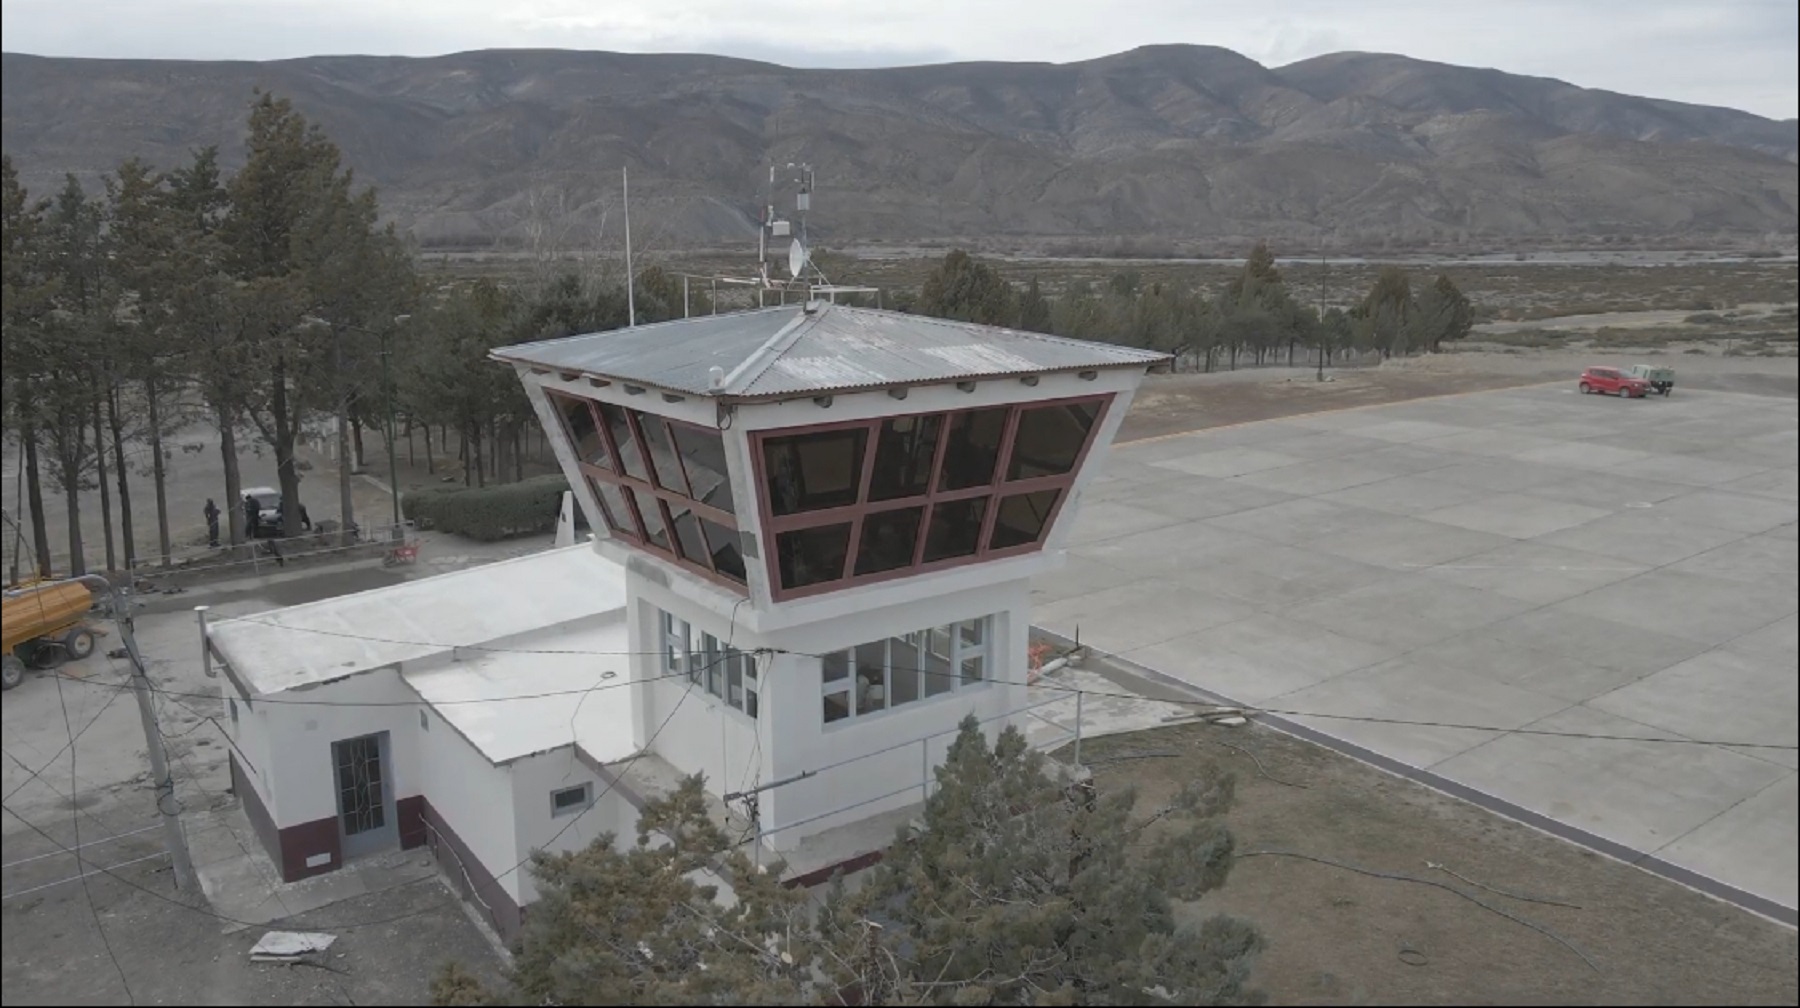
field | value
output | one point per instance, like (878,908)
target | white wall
(249,733)
(690,728)
(298,776)
(471,795)
(533,778)
(915,736)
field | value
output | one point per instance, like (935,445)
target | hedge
(486,514)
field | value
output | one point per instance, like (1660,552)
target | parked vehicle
(268,507)
(42,626)
(1612,381)
(1661,379)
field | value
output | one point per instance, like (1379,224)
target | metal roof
(801,350)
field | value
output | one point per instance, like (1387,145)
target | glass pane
(807,472)
(662,453)
(584,436)
(904,450)
(612,506)
(871,677)
(810,556)
(888,539)
(1049,438)
(748,662)
(955,528)
(971,670)
(973,448)
(714,659)
(837,706)
(939,677)
(727,558)
(835,666)
(973,632)
(656,531)
(703,456)
(1021,518)
(734,683)
(750,701)
(687,535)
(630,456)
(906,656)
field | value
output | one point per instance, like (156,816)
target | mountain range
(1174,143)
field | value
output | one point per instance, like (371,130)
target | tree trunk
(34,495)
(346,500)
(123,472)
(159,471)
(518,452)
(72,501)
(285,430)
(112,555)
(234,488)
(462,451)
(430,466)
(476,462)
(411,459)
(356,439)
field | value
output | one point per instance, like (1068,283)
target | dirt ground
(1335,936)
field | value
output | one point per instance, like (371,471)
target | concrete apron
(1641,859)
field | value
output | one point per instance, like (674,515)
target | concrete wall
(467,793)
(896,746)
(693,730)
(534,828)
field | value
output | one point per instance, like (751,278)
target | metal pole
(1078,695)
(387,385)
(346,501)
(686,311)
(159,767)
(630,285)
(1324,274)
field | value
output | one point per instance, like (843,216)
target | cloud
(1740,54)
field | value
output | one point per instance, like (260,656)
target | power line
(1119,694)
(390,703)
(80,866)
(33,774)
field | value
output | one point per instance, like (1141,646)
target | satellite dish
(796,258)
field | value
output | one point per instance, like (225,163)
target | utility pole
(630,282)
(1322,337)
(387,386)
(159,766)
(346,504)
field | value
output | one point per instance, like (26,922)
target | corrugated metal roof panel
(788,351)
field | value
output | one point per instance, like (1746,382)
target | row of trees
(1021,889)
(1254,314)
(259,303)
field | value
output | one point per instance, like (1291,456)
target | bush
(486,514)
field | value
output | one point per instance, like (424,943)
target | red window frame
(631,527)
(997,489)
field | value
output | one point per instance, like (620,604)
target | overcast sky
(1737,53)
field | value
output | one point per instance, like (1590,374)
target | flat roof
(510,704)
(304,645)
(810,349)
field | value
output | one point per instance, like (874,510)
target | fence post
(1078,697)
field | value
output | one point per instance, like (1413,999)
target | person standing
(252,516)
(212,523)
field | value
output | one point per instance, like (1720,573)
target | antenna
(796,258)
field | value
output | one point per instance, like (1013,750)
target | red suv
(1613,381)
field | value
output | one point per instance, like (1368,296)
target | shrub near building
(491,513)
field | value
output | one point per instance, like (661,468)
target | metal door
(366,821)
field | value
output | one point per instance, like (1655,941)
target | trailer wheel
(78,643)
(12,672)
(43,653)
